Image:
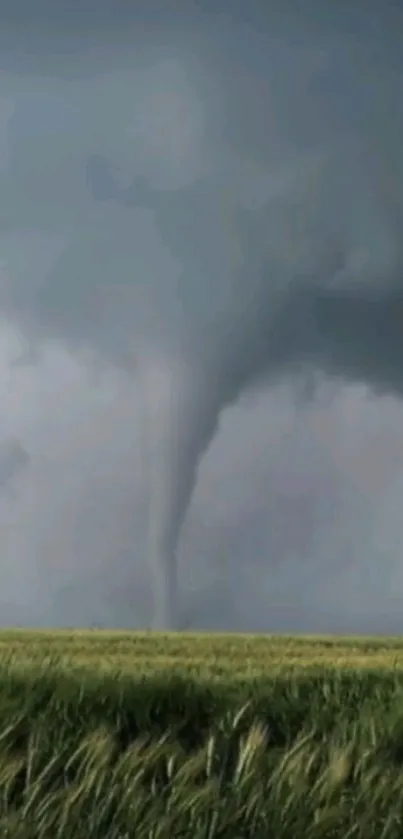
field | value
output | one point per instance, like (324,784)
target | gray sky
(251,230)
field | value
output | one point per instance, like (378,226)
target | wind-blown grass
(115,755)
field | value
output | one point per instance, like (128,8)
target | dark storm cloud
(215,206)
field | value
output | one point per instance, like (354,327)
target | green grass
(114,736)
(200,656)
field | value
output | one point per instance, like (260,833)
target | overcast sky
(140,163)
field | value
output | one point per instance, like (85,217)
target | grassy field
(143,736)
(214,657)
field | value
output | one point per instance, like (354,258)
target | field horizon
(205,655)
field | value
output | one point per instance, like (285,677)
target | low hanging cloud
(207,215)
(14,458)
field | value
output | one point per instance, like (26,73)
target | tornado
(296,267)
(178,427)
